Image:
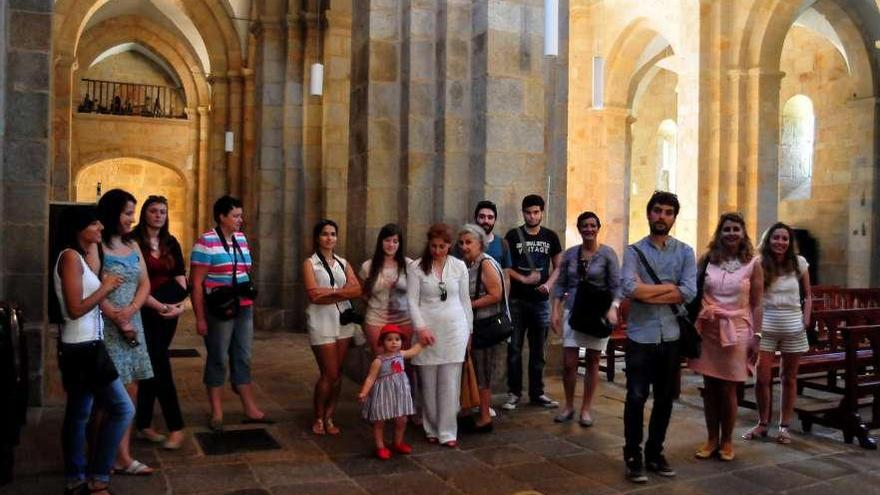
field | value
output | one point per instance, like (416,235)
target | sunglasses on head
(443,293)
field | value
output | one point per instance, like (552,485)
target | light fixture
(316,71)
(551,28)
(598,82)
(229,142)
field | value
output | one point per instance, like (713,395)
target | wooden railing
(121,98)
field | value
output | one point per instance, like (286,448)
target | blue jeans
(530,319)
(229,341)
(119,412)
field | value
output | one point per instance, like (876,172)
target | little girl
(386,391)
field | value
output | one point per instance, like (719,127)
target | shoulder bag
(224,302)
(690,342)
(590,306)
(493,329)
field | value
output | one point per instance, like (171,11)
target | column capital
(234,75)
(203,110)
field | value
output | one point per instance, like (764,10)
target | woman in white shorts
(330,285)
(599,264)
(786,284)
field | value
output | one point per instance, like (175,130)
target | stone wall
(843,143)
(24,189)
(131,67)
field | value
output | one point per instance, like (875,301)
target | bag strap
(234,258)
(330,272)
(480,283)
(652,274)
(528,255)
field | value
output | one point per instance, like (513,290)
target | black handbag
(590,307)
(170,293)
(492,329)
(690,342)
(86,366)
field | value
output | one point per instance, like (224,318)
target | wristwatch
(164,308)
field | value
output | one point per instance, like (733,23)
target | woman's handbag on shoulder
(689,340)
(492,329)
(223,302)
(590,307)
(85,366)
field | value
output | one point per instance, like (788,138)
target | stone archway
(142,178)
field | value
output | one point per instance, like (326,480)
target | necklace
(730,266)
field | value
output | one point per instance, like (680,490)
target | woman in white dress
(439,301)
(330,284)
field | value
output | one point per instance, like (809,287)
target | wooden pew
(862,381)
(616,348)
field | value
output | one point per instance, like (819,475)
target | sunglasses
(443,293)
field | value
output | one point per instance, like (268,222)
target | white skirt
(573,338)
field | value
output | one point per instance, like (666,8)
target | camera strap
(330,272)
(235,247)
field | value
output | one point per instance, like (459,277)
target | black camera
(350,316)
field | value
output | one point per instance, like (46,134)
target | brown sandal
(318,427)
(331,428)
(755,432)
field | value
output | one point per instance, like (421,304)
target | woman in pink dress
(729,321)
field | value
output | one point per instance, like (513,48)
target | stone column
(248,147)
(203,218)
(25,170)
(233,159)
(618,144)
(375,122)
(760,156)
(61,125)
(335,106)
(217,179)
(861,250)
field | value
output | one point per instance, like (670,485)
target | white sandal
(136,468)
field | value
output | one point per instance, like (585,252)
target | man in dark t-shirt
(535,252)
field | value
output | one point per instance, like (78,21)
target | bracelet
(164,308)
(759,335)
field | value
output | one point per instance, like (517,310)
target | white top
(387,302)
(325,317)
(451,320)
(784,292)
(89,326)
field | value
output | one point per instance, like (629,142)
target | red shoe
(402,448)
(383,454)
(451,444)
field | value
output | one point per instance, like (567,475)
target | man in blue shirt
(652,352)
(485,215)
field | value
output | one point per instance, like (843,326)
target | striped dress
(390,396)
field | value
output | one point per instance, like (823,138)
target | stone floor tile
(726,485)
(406,484)
(140,485)
(553,447)
(360,465)
(215,478)
(815,489)
(571,485)
(821,468)
(597,467)
(291,472)
(775,478)
(486,481)
(857,484)
(347,487)
(446,463)
(504,455)
(535,471)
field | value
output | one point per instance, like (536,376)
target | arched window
(667,155)
(796,142)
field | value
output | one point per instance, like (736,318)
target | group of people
(426,320)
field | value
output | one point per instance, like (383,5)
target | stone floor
(527,453)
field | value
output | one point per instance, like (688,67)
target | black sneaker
(659,466)
(635,472)
(545,401)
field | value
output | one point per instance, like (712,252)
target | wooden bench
(616,348)
(861,388)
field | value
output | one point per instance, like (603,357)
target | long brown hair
(715,253)
(436,231)
(142,237)
(378,258)
(772,268)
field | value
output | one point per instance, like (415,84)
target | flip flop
(136,468)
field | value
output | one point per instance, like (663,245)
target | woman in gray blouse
(599,264)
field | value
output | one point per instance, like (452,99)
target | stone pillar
(63,102)
(761,174)
(375,122)
(233,159)
(217,179)
(312,187)
(248,147)
(25,169)
(860,250)
(508,85)
(617,144)
(204,202)
(335,106)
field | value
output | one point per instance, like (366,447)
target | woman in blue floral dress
(123,330)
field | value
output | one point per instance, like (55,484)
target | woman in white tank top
(86,369)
